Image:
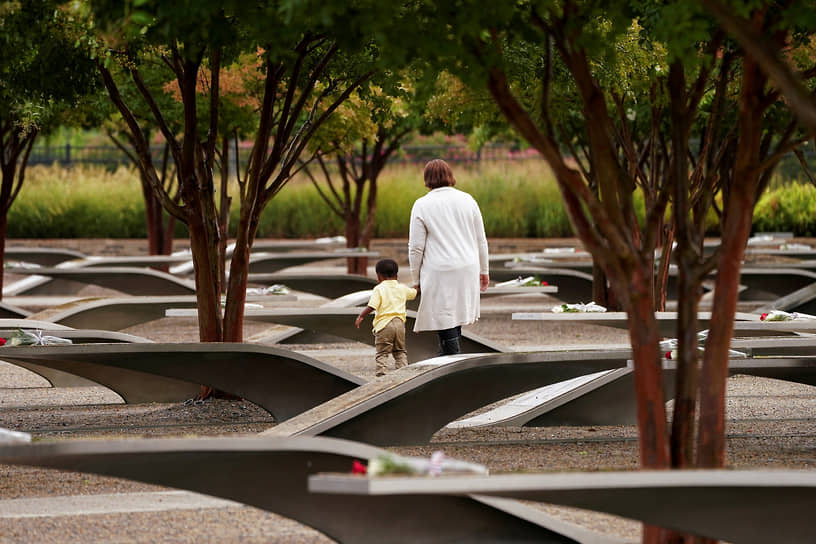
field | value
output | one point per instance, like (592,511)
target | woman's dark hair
(438,174)
(387,268)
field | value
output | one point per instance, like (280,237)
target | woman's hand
(484,281)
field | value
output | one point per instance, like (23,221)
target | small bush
(788,208)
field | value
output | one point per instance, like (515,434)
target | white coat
(447,250)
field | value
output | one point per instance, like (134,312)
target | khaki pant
(390,340)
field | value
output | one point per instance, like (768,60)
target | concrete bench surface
(116,313)
(802,300)
(339,322)
(775,346)
(325,285)
(360,298)
(129,280)
(740,506)
(796,327)
(608,398)
(769,283)
(573,285)
(11,311)
(58,378)
(272,474)
(282,382)
(267,263)
(29,323)
(44,256)
(302,245)
(426,396)
(667,321)
(128,260)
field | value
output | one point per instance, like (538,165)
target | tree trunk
(644,336)
(224,206)
(354,265)
(739,211)
(3,227)
(236,290)
(206,273)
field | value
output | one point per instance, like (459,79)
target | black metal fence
(112,156)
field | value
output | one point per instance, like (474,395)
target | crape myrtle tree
(315,56)
(787,57)
(781,53)
(582,42)
(516,52)
(44,73)
(353,149)
(160,171)
(745,131)
(239,101)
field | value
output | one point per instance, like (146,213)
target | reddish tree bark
(736,230)
(15,148)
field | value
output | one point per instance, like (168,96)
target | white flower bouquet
(22,337)
(578,308)
(390,464)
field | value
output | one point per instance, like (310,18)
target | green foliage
(80,202)
(517,199)
(787,208)
(42,71)
(298,212)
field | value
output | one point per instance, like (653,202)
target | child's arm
(367,310)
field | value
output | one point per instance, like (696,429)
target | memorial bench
(739,506)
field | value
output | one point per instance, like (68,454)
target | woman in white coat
(447,251)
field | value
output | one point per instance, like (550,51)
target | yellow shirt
(388,301)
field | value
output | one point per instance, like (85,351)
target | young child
(388,303)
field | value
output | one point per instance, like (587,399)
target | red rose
(763,316)
(358,468)
(2,341)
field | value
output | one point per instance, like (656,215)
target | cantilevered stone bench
(331,286)
(361,298)
(282,382)
(667,321)
(802,300)
(44,256)
(11,311)
(339,322)
(129,280)
(58,378)
(740,506)
(331,243)
(773,282)
(267,263)
(272,474)
(797,327)
(424,397)
(116,313)
(806,254)
(608,398)
(573,285)
(29,323)
(778,346)
(584,266)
